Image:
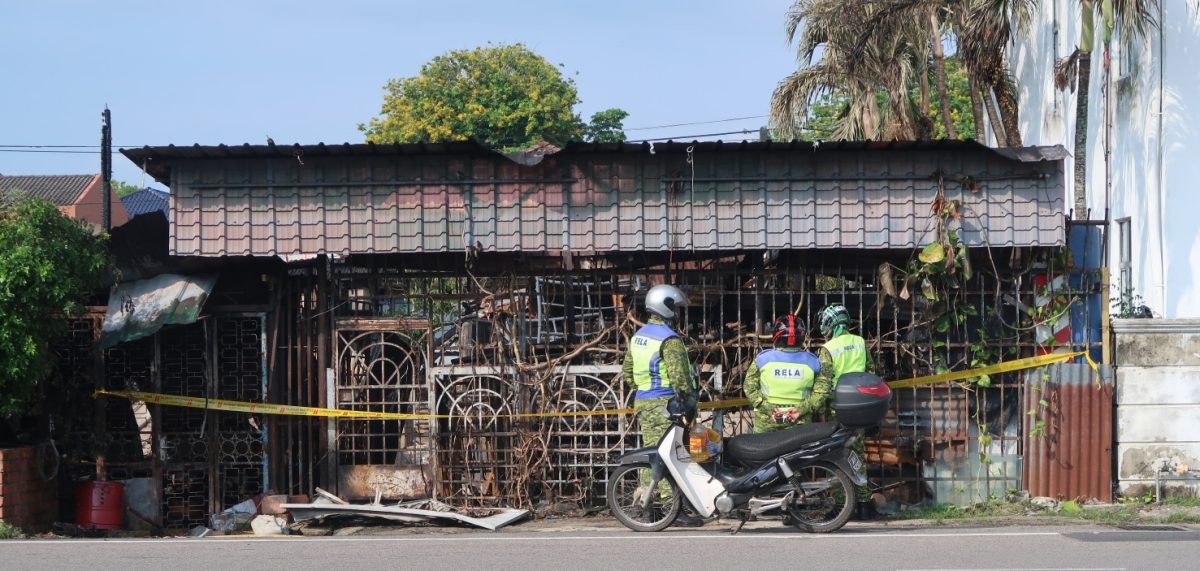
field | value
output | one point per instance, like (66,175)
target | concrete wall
(1154,139)
(26,499)
(90,206)
(1158,404)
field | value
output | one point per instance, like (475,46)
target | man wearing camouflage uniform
(781,383)
(657,365)
(843,352)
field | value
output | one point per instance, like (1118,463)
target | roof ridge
(92,175)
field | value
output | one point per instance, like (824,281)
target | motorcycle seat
(751,449)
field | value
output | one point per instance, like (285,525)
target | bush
(49,263)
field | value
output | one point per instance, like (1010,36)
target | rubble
(412,512)
(1045,503)
(236,518)
(273,504)
(269,525)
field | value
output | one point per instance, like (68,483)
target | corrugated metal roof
(62,190)
(146,200)
(157,159)
(350,199)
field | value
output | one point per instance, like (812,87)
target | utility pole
(106,169)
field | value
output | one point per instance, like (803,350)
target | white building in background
(1154,140)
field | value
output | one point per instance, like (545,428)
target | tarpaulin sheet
(140,308)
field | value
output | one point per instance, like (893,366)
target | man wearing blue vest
(657,365)
(782,382)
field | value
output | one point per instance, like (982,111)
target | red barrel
(99,505)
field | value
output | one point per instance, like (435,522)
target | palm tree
(939,67)
(985,30)
(868,48)
(1133,18)
(875,72)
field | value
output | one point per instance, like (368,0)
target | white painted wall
(1161,73)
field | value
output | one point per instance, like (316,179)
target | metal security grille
(583,449)
(547,339)
(184,496)
(127,367)
(571,308)
(240,461)
(184,448)
(476,459)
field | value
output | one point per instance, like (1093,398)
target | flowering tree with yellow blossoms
(506,97)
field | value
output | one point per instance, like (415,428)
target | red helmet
(789,331)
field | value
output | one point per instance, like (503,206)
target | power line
(697,123)
(684,137)
(61,151)
(52,146)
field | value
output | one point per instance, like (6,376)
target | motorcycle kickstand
(743,519)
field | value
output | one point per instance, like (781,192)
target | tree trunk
(1084,80)
(939,66)
(976,109)
(994,117)
(924,85)
(1006,98)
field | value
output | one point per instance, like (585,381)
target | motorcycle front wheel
(626,488)
(827,501)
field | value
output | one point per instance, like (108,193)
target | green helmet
(832,317)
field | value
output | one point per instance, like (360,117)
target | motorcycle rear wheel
(828,500)
(625,488)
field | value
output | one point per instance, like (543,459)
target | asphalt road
(992,549)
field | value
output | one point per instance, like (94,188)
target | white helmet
(662,300)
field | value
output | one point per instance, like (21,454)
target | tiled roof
(62,190)
(144,201)
(356,199)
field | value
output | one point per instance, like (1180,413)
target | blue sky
(217,71)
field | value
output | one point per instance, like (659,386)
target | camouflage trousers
(653,421)
(764,423)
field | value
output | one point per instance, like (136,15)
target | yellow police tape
(1005,367)
(292,410)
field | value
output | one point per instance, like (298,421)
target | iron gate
(380,368)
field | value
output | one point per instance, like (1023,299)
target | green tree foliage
(825,111)
(121,188)
(505,97)
(959,94)
(872,52)
(48,265)
(607,126)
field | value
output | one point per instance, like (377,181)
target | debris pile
(281,515)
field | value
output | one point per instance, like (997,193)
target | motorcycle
(807,474)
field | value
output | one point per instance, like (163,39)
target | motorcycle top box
(861,400)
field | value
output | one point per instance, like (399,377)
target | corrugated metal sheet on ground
(232,201)
(1073,457)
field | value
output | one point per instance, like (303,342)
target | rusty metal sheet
(139,308)
(383,323)
(1072,457)
(393,482)
(440,513)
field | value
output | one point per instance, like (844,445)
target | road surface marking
(501,538)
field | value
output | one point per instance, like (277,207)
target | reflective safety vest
(849,353)
(649,369)
(786,377)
